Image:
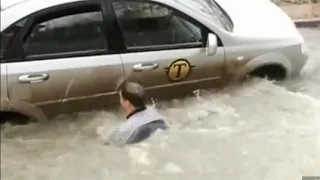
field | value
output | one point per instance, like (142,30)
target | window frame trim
(204,31)
(18,41)
(13,50)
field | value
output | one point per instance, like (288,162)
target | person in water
(142,121)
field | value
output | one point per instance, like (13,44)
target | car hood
(258,18)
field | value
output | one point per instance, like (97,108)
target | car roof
(14,10)
(7,4)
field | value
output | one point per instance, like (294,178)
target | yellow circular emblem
(179,70)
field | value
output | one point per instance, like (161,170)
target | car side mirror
(212,44)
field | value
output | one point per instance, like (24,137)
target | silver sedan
(63,56)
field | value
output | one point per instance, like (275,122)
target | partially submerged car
(63,56)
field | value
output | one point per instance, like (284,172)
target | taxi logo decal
(179,70)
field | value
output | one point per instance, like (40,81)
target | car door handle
(143,66)
(33,78)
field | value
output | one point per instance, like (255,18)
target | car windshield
(211,8)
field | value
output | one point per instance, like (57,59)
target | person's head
(131,96)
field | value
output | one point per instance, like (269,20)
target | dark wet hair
(133,92)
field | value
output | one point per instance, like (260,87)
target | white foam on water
(139,156)
(222,135)
(172,168)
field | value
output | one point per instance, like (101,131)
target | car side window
(67,33)
(8,35)
(147,24)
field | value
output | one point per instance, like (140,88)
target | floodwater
(257,130)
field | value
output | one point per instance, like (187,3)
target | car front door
(65,65)
(165,50)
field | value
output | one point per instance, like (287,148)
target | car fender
(263,60)
(24,108)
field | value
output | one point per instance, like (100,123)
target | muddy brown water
(256,130)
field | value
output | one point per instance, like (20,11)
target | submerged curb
(314,22)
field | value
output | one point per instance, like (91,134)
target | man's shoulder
(125,126)
(149,117)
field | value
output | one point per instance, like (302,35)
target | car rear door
(165,49)
(65,65)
